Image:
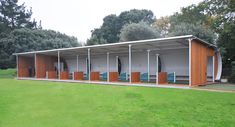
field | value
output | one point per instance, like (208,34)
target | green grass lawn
(56,104)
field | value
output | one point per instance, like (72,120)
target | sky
(78,17)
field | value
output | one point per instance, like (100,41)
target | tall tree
(109,32)
(197,30)
(23,40)
(138,31)
(16,16)
(163,25)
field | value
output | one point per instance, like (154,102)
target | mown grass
(56,104)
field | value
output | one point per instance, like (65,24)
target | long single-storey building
(181,60)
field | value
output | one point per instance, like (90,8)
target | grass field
(55,104)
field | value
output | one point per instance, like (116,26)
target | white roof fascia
(114,44)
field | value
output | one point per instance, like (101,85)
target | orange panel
(162,77)
(44,63)
(95,76)
(52,74)
(135,77)
(113,76)
(64,75)
(78,75)
(199,54)
(24,63)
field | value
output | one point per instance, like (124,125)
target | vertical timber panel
(44,63)
(199,54)
(23,65)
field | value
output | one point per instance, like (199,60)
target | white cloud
(78,18)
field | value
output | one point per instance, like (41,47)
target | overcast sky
(79,17)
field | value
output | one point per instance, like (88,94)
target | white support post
(213,71)
(73,75)
(35,65)
(117,63)
(77,63)
(157,55)
(58,66)
(130,68)
(148,51)
(190,64)
(108,66)
(174,77)
(17,66)
(89,64)
(46,74)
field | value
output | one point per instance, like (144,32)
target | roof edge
(120,43)
(205,42)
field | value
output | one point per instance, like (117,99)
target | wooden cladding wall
(24,63)
(199,55)
(44,63)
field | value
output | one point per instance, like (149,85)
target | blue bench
(104,76)
(171,77)
(144,77)
(86,76)
(123,77)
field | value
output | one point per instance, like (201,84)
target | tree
(163,25)
(109,32)
(23,40)
(196,30)
(16,16)
(138,31)
(136,16)
(226,42)
(94,40)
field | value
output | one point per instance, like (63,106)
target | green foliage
(162,25)
(193,14)
(94,40)
(110,30)
(19,34)
(8,73)
(232,76)
(138,31)
(23,40)
(15,16)
(226,42)
(197,30)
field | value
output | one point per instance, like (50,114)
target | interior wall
(172,61)
(24,63)
(209,68)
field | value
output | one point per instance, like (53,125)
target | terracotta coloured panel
(135,77)
(44,63)
(199,54)
(64,75)
(95,76)
(162,77)
(78,75)
(113,76)
(52,74)
(24,63)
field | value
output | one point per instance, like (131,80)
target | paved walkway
(214,90)
(111,83)
(133,84)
